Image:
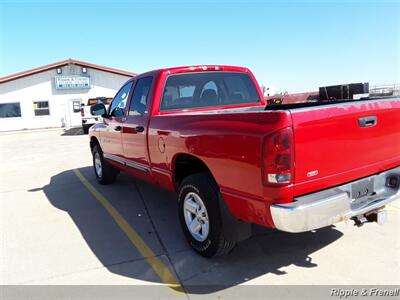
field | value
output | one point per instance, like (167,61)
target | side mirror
(98,110)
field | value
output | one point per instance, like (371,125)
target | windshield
(194,90)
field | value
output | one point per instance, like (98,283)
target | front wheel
(200,216)
(105,173)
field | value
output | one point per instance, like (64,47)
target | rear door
(339,143)
(134,132)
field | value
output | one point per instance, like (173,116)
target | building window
(41,108)
(10,110)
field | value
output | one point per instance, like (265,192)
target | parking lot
(60,227)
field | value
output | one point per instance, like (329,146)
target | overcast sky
(291,45)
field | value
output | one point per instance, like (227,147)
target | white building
(51,96)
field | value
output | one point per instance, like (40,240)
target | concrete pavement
(54,231)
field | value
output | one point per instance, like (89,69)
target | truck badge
(312,173)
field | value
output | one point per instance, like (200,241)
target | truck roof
(196,68)
(203,68)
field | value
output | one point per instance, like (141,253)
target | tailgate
(339,143)
(86,109)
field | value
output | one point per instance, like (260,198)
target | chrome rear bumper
(330,206)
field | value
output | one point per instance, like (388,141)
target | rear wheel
(104,172)
(200,216)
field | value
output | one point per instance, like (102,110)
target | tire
(106,174)
(86,128)
(211,242)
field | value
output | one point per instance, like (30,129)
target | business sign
(72,82)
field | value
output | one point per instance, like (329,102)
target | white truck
(87,118)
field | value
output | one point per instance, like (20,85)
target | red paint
(326,138)
(330,140)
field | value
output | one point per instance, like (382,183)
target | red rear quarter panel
(230,144)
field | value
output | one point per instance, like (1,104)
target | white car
(87,118)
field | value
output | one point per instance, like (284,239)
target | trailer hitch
(379,216)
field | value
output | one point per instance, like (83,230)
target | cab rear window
(207,89)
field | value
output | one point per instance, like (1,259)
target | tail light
(82,112)
(278,158)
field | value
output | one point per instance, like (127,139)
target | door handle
(163,132)
(118,128)
(139,128)
(367,121)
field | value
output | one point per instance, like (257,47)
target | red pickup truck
(206,133)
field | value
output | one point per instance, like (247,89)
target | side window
(41,108)
(10,110)
(186,91)
(140,95)
(119,102)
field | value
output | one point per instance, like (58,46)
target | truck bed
(292,106)
(318,104)
(331,147)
